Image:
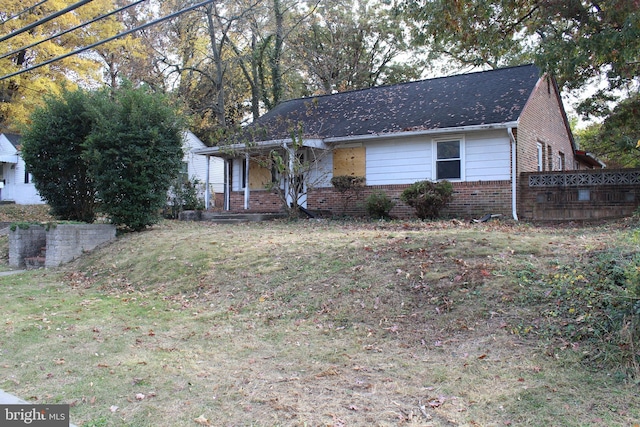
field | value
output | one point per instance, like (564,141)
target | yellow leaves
(201,420)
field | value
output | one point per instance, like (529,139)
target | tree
(134,152)
(353,45)
(471,32)
(617,139)
(19,95)
(577,41)
(134,57)
(52,148)
(109,151)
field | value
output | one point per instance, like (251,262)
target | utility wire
(45,19)
(29,9)
(4,55)
(117,36)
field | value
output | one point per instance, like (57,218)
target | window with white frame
(540,157)
(449,159)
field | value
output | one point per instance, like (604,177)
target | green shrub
(378,205)
(183,196)
(113,152)
(53,147)
(428,197)
(594,305)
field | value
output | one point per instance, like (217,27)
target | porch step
(230,217)
(35,262)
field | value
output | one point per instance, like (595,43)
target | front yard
(318,323)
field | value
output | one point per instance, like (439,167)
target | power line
(117,36)
(71,29)
(29,9)
(45,19)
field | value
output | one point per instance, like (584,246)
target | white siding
(15,189)
(197,165)
(321,162)
(400,161)
(487,156)
(407,160)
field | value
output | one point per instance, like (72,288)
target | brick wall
(263,201)
(470,200)
(542,121)
(579,195)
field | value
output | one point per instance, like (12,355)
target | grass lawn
(316,323)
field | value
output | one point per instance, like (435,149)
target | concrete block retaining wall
(63,242)
(66,242)
(26,243)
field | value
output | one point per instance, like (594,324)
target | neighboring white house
(16,183)
(196,168)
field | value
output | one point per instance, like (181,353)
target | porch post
(246,181)
(514,174)
(289,192)
(206,185)
(227,186)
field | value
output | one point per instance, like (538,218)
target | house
(16,183)
(478,130)
(195,169)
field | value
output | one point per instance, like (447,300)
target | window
(561,161)
(184,172)
(584,195)
(540,157)
(27,177)
(243,173)
(449,159)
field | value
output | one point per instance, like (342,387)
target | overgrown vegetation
(378,205)
(349,188)
(592,304)
(294,171)
(441,323)
(183,195)
(112,152)
(427,197)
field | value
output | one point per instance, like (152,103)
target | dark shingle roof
(488,97)
(13,139)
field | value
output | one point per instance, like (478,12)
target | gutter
(235,149)
(317,142)
(456,129)
(514,174)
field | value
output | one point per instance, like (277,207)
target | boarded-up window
(259,174)
(349,161)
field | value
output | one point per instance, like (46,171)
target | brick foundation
(470,200)
(263,201)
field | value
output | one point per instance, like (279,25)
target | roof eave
(232,150)
(421,132)
(589,158)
